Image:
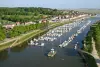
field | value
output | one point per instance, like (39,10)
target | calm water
(34,56)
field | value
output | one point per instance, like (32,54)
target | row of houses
(53,19)
(11,26)
(59,18)
(67,17)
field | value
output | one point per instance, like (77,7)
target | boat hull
(50,54)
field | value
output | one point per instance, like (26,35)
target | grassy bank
(2,47)
(25,38)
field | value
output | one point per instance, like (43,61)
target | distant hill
(97,11)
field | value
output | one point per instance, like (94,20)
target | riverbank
(87,59)
(90,60)
(20,39)
(95,54)
(91,42)
(90,56)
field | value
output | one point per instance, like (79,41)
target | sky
(62,4)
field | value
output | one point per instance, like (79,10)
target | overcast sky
(51,3)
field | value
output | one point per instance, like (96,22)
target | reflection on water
(3,55)
(19,48)
(70,52)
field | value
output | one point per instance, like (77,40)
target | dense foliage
(24,14)
(28,11)
(18,30)
(88,42)
(2,33)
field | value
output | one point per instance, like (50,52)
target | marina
(36,51)
(56,33)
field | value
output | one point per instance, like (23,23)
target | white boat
(54,38)
(69,38)
(75,47)
(31,42)
(51,39)
(36,44)
(42,44)
(35,39)
(65,44)
(61,45)
(78,31)
(76,34)
(65,41)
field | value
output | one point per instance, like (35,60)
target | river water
(35,56)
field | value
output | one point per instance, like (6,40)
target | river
(35,56)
